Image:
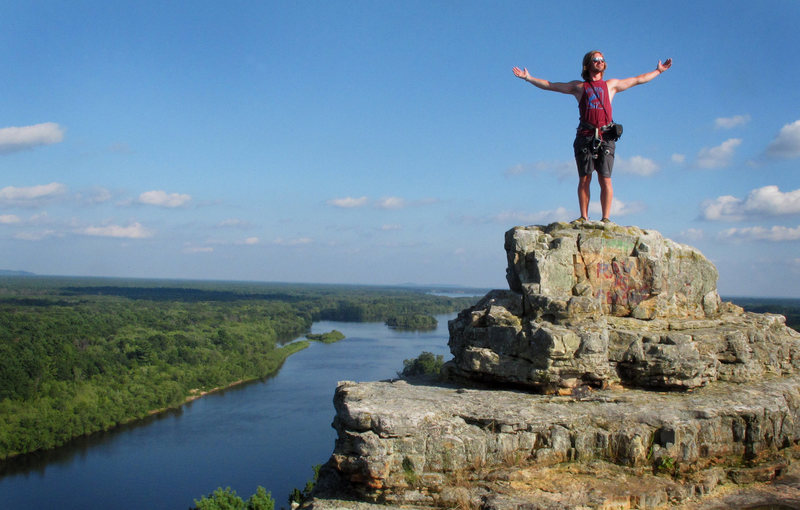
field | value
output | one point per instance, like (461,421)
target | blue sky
(385,142)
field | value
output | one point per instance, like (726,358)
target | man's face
(598,63)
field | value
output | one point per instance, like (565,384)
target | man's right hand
(521,73)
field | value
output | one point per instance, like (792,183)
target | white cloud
(390,228)
(8,219)
(724,208)
(391,203)
(163,199)
(719,156)
(679,158)
(770,201)
(250,241)
(775,234)
(348,202)
(13,139)
(36,220)
(787,143)
(132,231)
(637,165)
(731,122)
(764,201)
(32,195)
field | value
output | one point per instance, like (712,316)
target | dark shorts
(586,160)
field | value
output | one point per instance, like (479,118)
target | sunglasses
(598,59)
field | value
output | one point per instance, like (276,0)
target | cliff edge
(609,375)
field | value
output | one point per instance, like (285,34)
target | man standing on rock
(595,140)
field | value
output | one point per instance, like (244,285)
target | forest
(80,355)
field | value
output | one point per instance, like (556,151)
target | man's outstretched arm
(620,85)
(572,88)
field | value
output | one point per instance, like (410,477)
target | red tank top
(594,106)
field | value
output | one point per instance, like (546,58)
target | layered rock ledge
(602,305)
(609,375)
(440,446)
(495,341)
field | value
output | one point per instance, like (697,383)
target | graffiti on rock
(620,282)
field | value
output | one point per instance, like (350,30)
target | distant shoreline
(197,393)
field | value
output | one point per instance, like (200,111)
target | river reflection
(267,433)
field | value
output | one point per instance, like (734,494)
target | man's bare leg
(606,195)
(584,193)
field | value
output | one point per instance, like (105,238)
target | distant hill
(9,272)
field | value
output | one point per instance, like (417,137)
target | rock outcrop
(609,375)
(597,269)
(603,305)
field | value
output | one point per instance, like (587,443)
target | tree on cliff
(228,500)
(426,364)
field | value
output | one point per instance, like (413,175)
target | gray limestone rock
(622,271)
(413,444)
(491,344)
(603,305)
(562,391)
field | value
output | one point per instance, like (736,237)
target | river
(268,433)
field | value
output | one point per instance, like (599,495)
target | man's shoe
(606,220)
(579,220)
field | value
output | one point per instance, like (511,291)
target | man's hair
(587,59)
